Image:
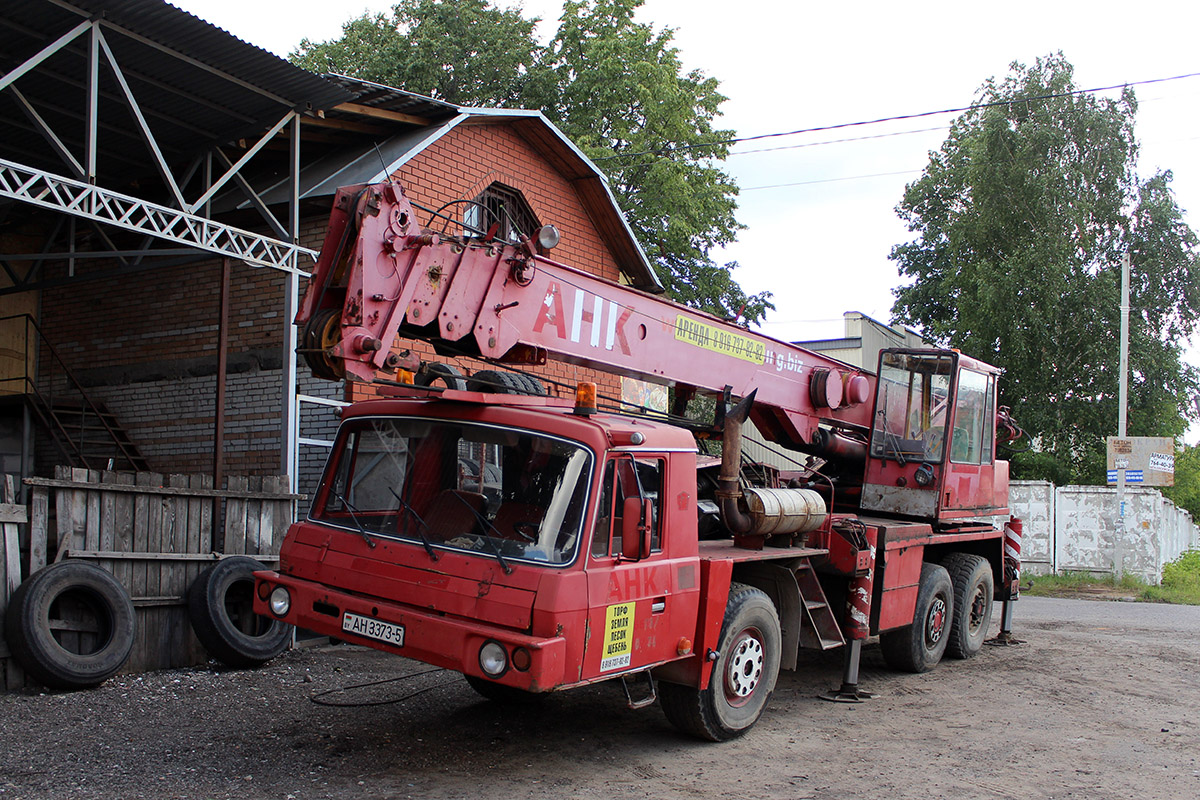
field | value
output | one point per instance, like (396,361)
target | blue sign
(1131,476)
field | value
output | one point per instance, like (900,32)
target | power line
(896,118)
(838,141)
(831,180)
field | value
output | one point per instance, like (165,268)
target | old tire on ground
(743,676)
(919,647)
(220,607)
(496,382)
(71,625)
(973,590)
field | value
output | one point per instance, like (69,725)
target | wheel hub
(936,622)
(745,667)
(978,609)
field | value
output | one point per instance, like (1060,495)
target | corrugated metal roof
(196,84)
(388,98)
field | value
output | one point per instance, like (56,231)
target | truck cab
(515,541)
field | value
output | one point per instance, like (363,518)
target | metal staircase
(84,432)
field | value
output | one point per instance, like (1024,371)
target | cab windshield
(911,406)
(497,492)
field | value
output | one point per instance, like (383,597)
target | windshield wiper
(433,554)
(487,522)
(890,439)
(491,544)
(504,565)
(350,509)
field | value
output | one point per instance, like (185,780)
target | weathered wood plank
(266,521)
(12,512)
(144,573)
(253,516)
(39,521)
(92,504)
(196,516)
(173,635)
(122,526)
(63,499)
(12,542)
(165,490)
(207,532)
(235,516)
(168,558)
(151,621)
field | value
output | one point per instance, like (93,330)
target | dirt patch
(1096,705)
(1097,591)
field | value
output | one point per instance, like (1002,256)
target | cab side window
(626,476)
(974,418)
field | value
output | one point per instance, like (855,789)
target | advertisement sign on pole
(1148,460)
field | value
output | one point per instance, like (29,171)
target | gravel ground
(1103,701)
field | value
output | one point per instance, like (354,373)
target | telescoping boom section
(380,273)
(537,543)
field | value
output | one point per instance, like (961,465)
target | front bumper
(429,637)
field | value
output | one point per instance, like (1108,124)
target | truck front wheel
(743,676)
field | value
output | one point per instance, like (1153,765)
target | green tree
(1022,217)
(1186,491)
(617,88)
(466,52)
(622,94)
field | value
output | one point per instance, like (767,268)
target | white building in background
(864,338)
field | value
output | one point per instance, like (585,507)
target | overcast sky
(819,239)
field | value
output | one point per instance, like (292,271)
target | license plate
(373,629)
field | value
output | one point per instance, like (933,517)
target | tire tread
(963,568)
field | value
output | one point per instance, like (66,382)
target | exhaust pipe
(729,489)
(768,512)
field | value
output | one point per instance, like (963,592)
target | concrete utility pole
(1122,403)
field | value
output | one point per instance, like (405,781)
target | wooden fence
(155,533)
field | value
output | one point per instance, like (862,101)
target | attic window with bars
(504,207)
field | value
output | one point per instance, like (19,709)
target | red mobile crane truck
(536,543)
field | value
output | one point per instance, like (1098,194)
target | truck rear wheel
(743,676)
(973,589)
(919,647)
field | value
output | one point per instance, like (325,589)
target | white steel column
(290,423)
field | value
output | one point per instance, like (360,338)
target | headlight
(924,475)
(280,602)
(493,659)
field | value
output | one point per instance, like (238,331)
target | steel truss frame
(188,223)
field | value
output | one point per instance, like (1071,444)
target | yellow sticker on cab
(618,637)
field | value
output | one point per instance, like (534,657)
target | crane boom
(508,302)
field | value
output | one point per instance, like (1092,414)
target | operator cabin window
(503,207)
(974,418)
